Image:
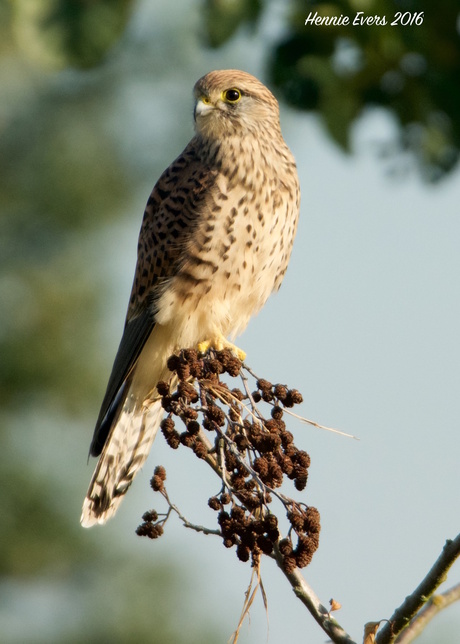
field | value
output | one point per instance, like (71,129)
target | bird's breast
(235,258)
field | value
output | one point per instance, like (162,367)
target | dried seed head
(303,459)
(222,517)
(188,392)
(265,544)
(241,442)
(200,449)
(275,475)
(230,461)
(230,363)
(285,463)
(296,396)
(216,414)
(156,483)
(242,552)
(214,366)
(264,385)
(160,471)
(296,519)
(289,563)
(277,412)
(150,530)
(183,371)
(249,440)
(304,551)
(208,424)
(214,503)
(260,465)
(163,388)
(271,425)
(286,438)
(238,480)
(237,513)
(271,521)
(300,482)
(197,369)
(190,355)
(293,397)
(234,414)
(189,413)
(303,558)
(285,547)
(187,440)
(173,362)
(193,427)
(173,439)
(150,517)
(312,523)
(280,392)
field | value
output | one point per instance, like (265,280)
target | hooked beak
(202,106)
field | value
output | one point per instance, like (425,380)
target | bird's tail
(123,455)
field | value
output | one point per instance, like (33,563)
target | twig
(249,597)
(435,605)
(252,456)
(308,421)
(403,615)
(231,447)
(244,379)
(186,522)
(213,389)
(318,426)
(308,597)
(300,587)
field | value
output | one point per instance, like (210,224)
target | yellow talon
(240,354)
(218,343)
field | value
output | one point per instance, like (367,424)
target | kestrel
(215,242)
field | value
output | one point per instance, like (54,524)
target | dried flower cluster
(252,454)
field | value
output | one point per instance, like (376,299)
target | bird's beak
(203,106)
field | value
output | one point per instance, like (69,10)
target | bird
(215,242)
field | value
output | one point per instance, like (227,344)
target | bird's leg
(218,343)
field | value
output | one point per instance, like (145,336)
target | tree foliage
(409,68)
(64,185)
(342,70)
(62,33)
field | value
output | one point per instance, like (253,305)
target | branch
(403,615)
(185,522)
(252,453)
(434,606)
(308,597)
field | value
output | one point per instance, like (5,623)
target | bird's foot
(218,343)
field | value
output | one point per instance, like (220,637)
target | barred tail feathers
(130,440)
(123,455)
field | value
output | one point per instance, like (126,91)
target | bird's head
(229,102)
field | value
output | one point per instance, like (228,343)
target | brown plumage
(215,242)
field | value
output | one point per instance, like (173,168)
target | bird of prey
(215,241)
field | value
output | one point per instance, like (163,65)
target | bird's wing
(171,215)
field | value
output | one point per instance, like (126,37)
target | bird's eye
(231,95)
